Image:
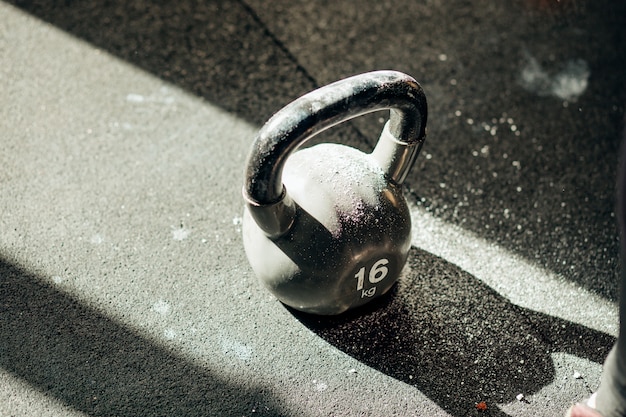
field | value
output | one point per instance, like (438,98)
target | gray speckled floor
(124,287)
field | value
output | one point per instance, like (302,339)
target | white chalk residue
(135,98)
(236,349)
(334,183)
(161,307)
(96,239)
(237,222)
(163,96)
(568,84)
(180,233)
(320,386)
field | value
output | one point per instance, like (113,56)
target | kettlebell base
(357,309)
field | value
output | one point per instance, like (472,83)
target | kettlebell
(327,228)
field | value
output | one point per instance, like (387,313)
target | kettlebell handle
(319,110)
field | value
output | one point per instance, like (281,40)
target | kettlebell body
(327,228)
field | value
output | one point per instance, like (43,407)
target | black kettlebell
(327,228)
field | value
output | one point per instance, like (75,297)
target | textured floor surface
(124,289)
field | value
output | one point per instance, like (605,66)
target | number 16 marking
(378,272)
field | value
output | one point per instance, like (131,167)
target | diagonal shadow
(102,368)
(456,339)
(218,50)
(241,56)
(214,49)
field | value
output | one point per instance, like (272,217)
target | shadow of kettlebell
(456,339)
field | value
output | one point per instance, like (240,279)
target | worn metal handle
(321,109)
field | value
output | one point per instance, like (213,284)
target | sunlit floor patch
(577,378)
(522,282)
